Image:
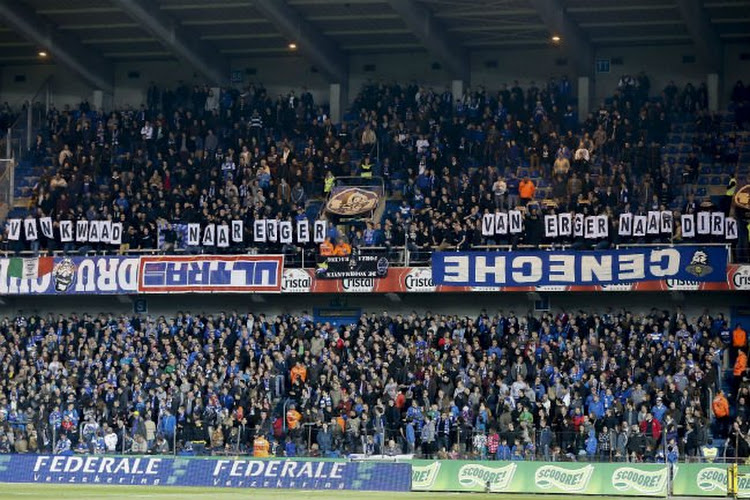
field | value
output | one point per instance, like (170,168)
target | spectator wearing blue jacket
(503,451)
(167,423)
(592,445)
(410,436)
(659,410)
(290,449)
(516,453)
(596,407)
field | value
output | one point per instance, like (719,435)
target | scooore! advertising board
(158,471)
(541,477)
(707,480)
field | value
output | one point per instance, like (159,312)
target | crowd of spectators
(572,385)
(210,156)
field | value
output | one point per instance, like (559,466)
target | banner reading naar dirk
(68,275)
(210,274)
(701,264)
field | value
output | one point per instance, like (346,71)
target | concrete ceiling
(235,29)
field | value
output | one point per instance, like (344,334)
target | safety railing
(463,441)
(397,256)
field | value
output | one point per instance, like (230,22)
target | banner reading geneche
(229,473)
(707,480)
(541,477)
(539,268)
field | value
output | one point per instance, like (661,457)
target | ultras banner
(157,471)
(210,274)
(554,268)
(541,477)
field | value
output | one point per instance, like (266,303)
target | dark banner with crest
(352,266)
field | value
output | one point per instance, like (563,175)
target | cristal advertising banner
(206,274)
(707,480)
(69,275)
(352,266)
(541,477)
(210,273)
(419,280)
(157,471)
(555,268)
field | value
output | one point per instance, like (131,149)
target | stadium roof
(209,33)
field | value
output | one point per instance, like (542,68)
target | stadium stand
(189,156)
(570,386)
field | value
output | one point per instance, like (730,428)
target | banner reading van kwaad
(707,480)
(540,477)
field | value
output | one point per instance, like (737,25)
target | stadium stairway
(26,177)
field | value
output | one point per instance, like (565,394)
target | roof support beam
(200,55)
(436,39)
(573,39)
(321,50)
(706,39)
(94,69)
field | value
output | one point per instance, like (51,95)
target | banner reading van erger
(158,471)
(540,477)
(497,269)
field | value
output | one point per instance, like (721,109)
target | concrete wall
(463,304)
(489,68)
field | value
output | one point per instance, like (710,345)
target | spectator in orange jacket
(342,249)
(720,406)
(739,342)
(326,248)
(299,371)
(739,337)
(526,191)
(740,364)
(293,418)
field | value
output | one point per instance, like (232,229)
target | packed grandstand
(580,385)
(446,163)
(571,386)
(403,248)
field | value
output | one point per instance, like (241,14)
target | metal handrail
(255,250)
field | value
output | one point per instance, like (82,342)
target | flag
(32,268)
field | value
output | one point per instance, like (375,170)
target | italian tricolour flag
(31,268)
